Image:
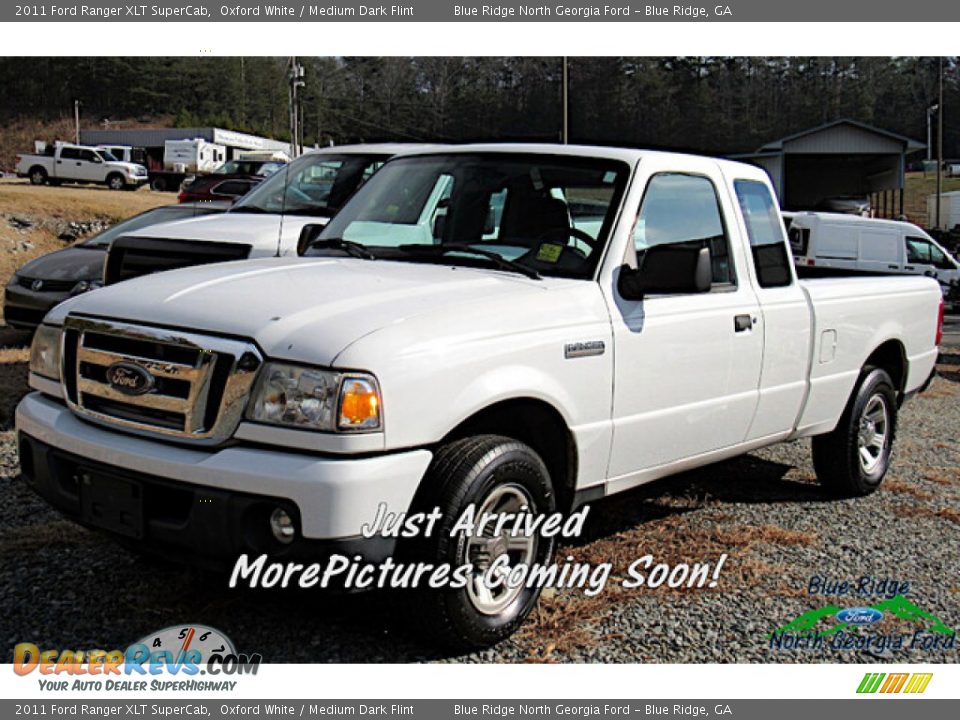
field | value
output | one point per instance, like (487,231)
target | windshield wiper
(350,247)
(497,259)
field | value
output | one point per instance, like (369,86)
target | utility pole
(940,143)
(295,77)
(243,92)
(930,111)
(76,121)
(565,135)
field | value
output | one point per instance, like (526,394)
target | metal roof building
(844,158)
(156,137)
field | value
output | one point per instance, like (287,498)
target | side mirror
(308,234)
(667,270)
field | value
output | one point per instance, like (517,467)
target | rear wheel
(852,460)
(496,475)
(38,176)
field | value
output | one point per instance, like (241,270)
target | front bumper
(209,506)
(24,309)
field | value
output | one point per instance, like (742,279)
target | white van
(832,244)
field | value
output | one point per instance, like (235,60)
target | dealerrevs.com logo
(169,659)
(893,683)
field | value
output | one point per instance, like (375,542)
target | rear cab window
(768,246)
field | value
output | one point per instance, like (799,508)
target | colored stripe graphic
(893,683)
(918,683)
(870,682)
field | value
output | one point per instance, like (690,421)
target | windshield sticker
(549,252)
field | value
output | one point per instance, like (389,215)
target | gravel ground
(63,586)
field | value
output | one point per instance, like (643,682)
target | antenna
(283,206)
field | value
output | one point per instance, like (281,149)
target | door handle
(893,267)
(742,323)
(909,267)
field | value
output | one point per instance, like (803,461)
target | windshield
(315,184)
(550,213)
(151,217)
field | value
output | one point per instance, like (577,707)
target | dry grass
(916,191)
(902,487)
(944,386)
(76,202)
(564,620)
(48,207)
(943,476)
(920,511)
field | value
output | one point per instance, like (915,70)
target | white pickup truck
(266,222)
(504,326)
(81,164)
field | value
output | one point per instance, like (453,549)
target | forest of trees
(709,104)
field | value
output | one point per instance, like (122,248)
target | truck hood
(306,309)
(259,231)
(72,263)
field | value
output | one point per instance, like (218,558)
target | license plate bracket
(111,503)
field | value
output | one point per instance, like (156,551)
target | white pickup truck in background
(266,222)
(80,164)
(508,326)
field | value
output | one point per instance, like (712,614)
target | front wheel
(116,182)
(497,475)
(852,460)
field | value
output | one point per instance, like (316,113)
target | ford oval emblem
(860,616)
(129,378)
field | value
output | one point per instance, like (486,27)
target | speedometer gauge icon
(183,639)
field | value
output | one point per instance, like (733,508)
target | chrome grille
(198,385)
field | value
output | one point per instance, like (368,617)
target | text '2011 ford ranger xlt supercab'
(512,328)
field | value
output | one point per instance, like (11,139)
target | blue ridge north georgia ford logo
(129,378)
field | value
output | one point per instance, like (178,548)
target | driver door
(90,167)
(687,365)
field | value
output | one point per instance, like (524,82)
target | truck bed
(845,313)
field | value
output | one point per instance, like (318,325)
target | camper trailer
(192,156)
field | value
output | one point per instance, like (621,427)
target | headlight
(14,280)
(85,285)
(314,399)
(45,352)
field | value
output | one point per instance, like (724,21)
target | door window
(918,251)
(767,244)
(684,211)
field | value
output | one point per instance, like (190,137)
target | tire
(495,474)
(38,176)
(852,460)
(158,184)
(115,181)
